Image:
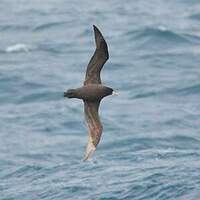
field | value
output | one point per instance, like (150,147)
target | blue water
(150,149)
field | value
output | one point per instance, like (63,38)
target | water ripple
(47,26)
(157,36)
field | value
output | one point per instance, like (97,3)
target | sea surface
(150,148)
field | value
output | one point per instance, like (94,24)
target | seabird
(92,92)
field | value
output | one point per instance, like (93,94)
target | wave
(195,16)
(2,51)
(192,38)
(48,26)
(161,37)
(158,33)
(23,171)
(14,27)
(52,48)
(18,48)
(145,95)
(194,89)
(55,48)
(40,97)
(175,142)
(166,91)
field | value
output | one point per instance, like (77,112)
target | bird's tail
(89,150)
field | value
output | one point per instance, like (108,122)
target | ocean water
(150,148)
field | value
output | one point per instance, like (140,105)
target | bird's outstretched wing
(98,59)
(94,127)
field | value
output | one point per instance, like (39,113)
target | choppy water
(150,148)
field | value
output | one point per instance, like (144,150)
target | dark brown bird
(93,92)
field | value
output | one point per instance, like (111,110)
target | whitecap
(17,48)
(162,28)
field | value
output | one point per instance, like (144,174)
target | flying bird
(92,92)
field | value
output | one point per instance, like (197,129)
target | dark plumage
(93,92)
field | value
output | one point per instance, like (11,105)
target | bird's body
(92,92)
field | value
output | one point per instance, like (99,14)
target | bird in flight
(92,92)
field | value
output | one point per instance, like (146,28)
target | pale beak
(115,93)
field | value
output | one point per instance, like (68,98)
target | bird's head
(71,93)
(111,91)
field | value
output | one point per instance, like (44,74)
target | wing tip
(95,28)
(89,151)
(98,37)
(100,41)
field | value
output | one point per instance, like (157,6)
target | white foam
(18,48)
(162,28)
